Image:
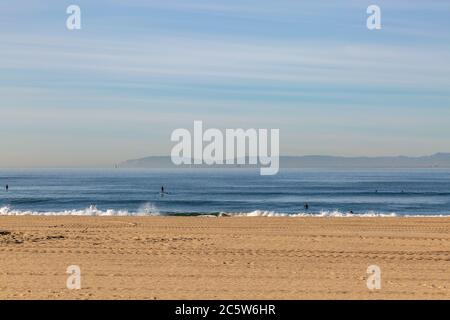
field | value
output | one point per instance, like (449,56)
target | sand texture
(224,258)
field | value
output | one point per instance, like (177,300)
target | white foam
(261,213)
(146,210)
(369,214)
(150,210)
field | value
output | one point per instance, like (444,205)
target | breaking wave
(149,209)
(146,210)
(260,213)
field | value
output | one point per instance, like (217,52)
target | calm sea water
(206,191)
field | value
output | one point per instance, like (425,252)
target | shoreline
(234,215)
(163,257)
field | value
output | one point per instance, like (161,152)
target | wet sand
(224,258)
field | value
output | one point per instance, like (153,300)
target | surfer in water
(306,206)
(162,193)
(7,187)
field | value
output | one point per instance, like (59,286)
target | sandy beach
(224,258)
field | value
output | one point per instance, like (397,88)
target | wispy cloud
(222,61)
(139,69)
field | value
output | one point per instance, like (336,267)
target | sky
(139,69)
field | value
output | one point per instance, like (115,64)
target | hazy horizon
(114,165)
(117,88)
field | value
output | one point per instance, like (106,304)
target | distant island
(438,160)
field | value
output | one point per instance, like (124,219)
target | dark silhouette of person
(7,187)
(162,189)
(351,212)
(306,206)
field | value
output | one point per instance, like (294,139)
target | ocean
(243,192)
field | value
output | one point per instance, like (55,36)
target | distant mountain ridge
(438,160)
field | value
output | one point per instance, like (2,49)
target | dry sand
(224,258)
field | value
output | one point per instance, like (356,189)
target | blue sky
(139,69)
